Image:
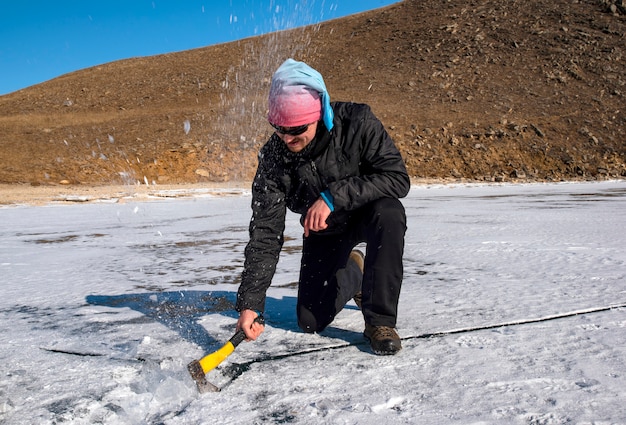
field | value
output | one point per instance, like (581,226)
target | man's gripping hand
(252,328)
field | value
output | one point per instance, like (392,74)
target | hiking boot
(358,300)
(383,339)
(359,259)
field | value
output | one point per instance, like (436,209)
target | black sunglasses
(291,131)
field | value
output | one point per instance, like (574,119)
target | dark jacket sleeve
(382,173)
(266,239)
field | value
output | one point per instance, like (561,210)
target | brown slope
(478,89)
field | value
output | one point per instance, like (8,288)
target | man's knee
(308,322)
(389,211)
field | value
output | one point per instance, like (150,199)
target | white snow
(513,311)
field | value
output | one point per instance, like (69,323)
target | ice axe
(199,368)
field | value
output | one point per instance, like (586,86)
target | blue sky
(40,40)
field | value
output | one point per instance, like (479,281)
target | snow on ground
(104,304)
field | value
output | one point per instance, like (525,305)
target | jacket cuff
(328,198)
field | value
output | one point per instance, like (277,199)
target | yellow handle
(211,361)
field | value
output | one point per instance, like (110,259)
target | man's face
(299,142)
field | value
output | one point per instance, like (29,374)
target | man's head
(294,111)
(298,100)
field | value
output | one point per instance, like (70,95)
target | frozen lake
(513,311)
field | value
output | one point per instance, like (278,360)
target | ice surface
(104,304)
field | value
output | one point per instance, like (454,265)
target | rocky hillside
(482,90)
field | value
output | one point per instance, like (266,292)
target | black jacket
(357,162)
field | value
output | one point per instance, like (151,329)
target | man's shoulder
(350,108)
(272,144)
(352,113)
(269,153)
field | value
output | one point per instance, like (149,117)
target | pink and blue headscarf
(298,96)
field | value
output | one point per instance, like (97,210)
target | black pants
(327,284)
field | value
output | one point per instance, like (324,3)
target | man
(336,166)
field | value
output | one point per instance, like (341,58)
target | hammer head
(197,374)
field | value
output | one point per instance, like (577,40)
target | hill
(479,90)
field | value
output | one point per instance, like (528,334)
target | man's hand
(251,328)
(316,216)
